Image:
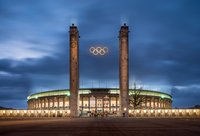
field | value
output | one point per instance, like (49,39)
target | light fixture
(68,111)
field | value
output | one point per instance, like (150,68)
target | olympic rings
(98,50)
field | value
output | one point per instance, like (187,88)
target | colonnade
(155,103)
(58,102)
(101,103)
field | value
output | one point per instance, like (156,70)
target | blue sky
(164,46)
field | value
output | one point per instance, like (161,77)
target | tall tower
(123,70)
(74,70)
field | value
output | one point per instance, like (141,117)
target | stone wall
(34,113)
(165,113)
(162,113)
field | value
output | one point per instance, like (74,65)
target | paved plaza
(111,126)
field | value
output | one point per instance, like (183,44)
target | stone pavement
(110,126)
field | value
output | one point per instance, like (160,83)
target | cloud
(164,43)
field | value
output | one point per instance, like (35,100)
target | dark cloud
(34,45)
(187,95)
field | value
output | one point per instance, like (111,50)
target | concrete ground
(111,126)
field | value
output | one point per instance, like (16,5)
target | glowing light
(11,111)
(166,111)
(187,110)
(68,111)
(137,111)
(145,111)
(17,111)
(129,111)
(151,111)
(194,110)
(158,111)
(98,50)
(4,111)
(25,111)
(124,109)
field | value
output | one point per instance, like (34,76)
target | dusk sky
(164,46)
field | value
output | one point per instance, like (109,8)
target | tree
(135,98)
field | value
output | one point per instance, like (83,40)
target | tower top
(124,26)
(73,26)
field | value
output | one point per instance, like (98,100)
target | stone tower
(123,70)
(74,70)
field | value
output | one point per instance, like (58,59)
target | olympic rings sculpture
(98,50)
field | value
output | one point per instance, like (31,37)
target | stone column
(116,104)
(74,70)
(39,104)
(95,103)
(33,104)
(63,103)
(48,103)
(58,99)
(82,104)
(53,103)
(110,104)
(123,70)
(89,103)
(103,103)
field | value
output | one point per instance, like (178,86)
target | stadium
(101,100)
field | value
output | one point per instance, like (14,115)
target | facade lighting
(68,111)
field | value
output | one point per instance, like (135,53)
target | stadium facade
(101,100)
